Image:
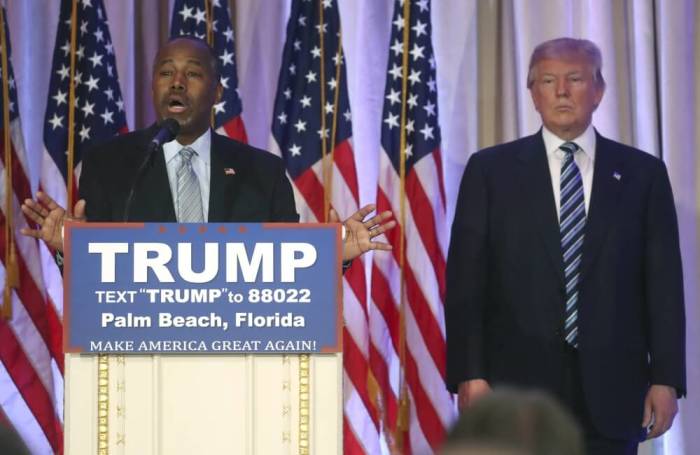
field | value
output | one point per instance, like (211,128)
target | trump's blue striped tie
(572,220)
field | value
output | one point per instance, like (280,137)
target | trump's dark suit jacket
(246,184)
(505,280)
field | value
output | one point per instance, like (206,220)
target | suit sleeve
(283,206)
(467,276)
(664,286)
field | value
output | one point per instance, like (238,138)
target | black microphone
(167,132)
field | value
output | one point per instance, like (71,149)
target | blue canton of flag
(190,18)
(422,130)
(297,124)
(14,108)
(99,108)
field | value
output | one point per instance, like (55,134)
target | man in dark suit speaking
(564,269)
(197,177)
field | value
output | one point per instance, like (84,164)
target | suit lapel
(153,200)
(536,183)
(224,182)
(607,182)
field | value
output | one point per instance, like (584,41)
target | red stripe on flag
(29,385)
(20,184)
(345,162)
(235,129)
(312,191)
(385,304)
(31,298)
(350,444)
(430,421)
(424,220)
(356,368)
(56,333)
(355,278)
(429,328)
(389,401)
(437,157)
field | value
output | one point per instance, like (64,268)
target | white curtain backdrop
(651,54)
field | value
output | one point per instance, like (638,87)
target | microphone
(167,132)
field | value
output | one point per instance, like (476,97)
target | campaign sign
(202,288)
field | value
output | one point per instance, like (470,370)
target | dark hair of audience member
(10,442)
(509,420)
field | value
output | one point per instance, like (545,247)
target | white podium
(187,404)
(263,402)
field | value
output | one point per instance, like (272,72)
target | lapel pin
(617,176)
(229,171)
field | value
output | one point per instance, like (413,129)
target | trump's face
(565,94)
(185,87)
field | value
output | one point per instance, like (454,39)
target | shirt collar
(586,142)
(202,145)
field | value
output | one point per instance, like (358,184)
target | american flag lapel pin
(229,171)
(617,176)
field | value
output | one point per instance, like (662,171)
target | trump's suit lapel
(224,180)
(536,183)
(608,178)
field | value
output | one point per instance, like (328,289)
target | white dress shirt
(584,158)
(201,164)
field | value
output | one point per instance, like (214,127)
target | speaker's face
(185,86)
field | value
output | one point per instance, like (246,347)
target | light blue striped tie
(189,195)
(572,220)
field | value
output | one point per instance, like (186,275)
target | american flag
(191,17)
(407,327)
(98,111)
(312,132)
(31,360)
(98,106)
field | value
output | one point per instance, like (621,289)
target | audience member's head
(10,442)
(512,422)
(469,448)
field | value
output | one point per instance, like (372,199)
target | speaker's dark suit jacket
(246,184)
(505,280)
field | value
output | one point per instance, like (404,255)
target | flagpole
(327,166)
(336,97)
(404,404)
(210,13)
(71,108)
(11,270)
(210,41)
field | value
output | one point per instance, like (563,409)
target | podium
(123,401)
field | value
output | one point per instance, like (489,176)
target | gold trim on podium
(120,404)
(103,404)
(304,408)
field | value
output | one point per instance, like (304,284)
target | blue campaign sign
(202,288)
